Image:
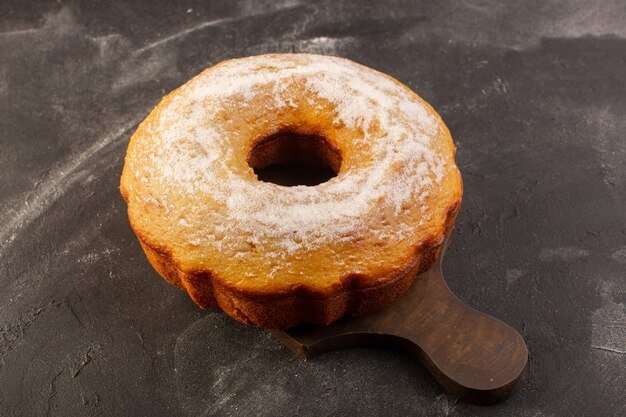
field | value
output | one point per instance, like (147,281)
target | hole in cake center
(292,158)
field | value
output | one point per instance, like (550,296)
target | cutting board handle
(472,355)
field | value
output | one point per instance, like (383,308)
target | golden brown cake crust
(363,241)
(302,304)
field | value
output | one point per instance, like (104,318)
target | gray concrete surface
(533,92)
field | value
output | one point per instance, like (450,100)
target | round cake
(275,256)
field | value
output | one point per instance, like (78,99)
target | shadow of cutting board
(472,355)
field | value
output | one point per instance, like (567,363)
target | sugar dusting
(189,154)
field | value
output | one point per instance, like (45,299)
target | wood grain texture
(472,355)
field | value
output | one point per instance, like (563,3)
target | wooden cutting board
(472,355)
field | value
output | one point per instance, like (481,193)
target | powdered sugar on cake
(189,154)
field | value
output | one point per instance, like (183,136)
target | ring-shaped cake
(276,256)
